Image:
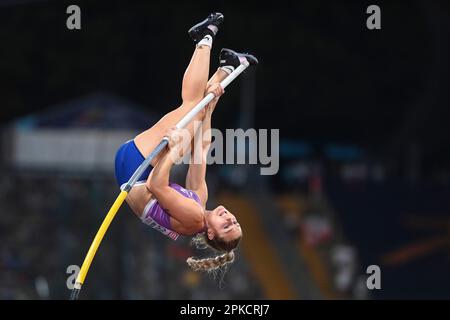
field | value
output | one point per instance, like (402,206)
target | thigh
(149,139)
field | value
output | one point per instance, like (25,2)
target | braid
(201,241)
(210,264)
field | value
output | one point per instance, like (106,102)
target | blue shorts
(128,159)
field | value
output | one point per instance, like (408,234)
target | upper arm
(185,210)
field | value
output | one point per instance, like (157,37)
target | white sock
(206,41)
(227,69)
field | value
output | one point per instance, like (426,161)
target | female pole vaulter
(168,207)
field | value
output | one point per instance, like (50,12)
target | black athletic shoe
(200,30)
(231,58)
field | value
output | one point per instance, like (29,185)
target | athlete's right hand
(179,141)
(174,136)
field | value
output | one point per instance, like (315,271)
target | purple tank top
(156,217)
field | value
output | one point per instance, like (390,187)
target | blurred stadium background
(364,132)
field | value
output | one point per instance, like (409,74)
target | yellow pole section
(98,238)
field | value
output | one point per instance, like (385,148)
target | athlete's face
(222,224)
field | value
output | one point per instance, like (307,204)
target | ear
(210,234)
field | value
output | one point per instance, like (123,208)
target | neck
(205,221)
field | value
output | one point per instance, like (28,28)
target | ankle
(205,42)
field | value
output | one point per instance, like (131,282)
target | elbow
(198,219)
(149,185)
(196,223)
(153,185)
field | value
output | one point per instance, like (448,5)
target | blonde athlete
(168,207)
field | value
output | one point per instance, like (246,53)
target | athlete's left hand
(216,89)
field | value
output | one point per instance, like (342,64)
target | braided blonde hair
(210,264)
(201,241)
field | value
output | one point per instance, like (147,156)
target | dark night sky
(322,75)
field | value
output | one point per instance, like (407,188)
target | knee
(189,104)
